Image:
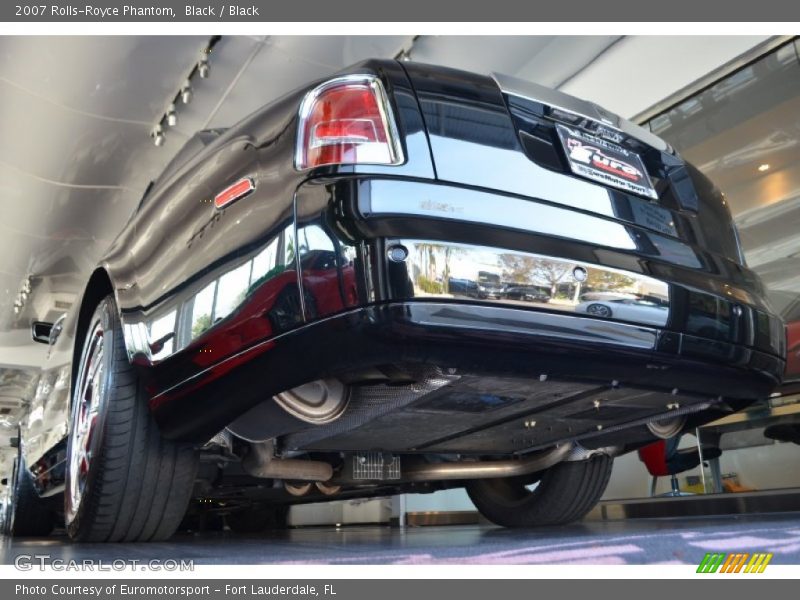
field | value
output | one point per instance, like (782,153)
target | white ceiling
(640,71)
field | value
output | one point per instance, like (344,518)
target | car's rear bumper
(415,240)
(475,339)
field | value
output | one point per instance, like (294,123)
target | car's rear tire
(257,518)
(28,515)
(124,481)
(564,493)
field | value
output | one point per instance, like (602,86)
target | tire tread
(566,492)
(142,482)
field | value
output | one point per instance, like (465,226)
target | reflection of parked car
(259,310)
(489,285)
(530,293)
(332,288)
(607,296)
(626,309)
(462,287)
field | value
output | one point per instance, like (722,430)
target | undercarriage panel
(499,415)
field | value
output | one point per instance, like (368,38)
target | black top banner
(401,10)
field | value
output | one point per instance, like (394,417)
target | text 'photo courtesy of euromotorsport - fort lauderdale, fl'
(324,315)
(168,590)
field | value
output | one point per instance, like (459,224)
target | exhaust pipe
(488,469)
(299,489)
(261,462)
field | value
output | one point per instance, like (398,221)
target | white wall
(445,500)
(375,510)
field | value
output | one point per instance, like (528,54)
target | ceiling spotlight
(764,167)
(203,69)
(172,116)
(186,93)
(158,136)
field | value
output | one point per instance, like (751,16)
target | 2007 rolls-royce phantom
(312,304)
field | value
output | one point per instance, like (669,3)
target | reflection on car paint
(446,270)
(265,282)
(637,309)
(328,271)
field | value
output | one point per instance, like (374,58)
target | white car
(627,309)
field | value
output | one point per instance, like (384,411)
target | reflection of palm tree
(429,250)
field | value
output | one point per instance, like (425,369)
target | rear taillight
(347,120)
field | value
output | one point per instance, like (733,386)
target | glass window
(231,291)
(289,246)
(264,261)
(743,132)
(162,335)
(203,309)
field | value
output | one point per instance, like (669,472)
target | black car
(273,325)
(462,287)
(489,286)
(529,293)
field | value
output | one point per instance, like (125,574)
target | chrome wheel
(599,310)
(85,411)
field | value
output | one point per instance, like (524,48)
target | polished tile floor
(641,541)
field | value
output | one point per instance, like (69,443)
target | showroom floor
(641,541)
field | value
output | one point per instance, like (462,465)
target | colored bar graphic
(729,563)
(701,568)
(734,562)
(716,563)
(759,560)
(765,563)
(740,564)
(711,562)
(751,563)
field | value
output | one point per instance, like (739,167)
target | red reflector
(347,121)
(240,189)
